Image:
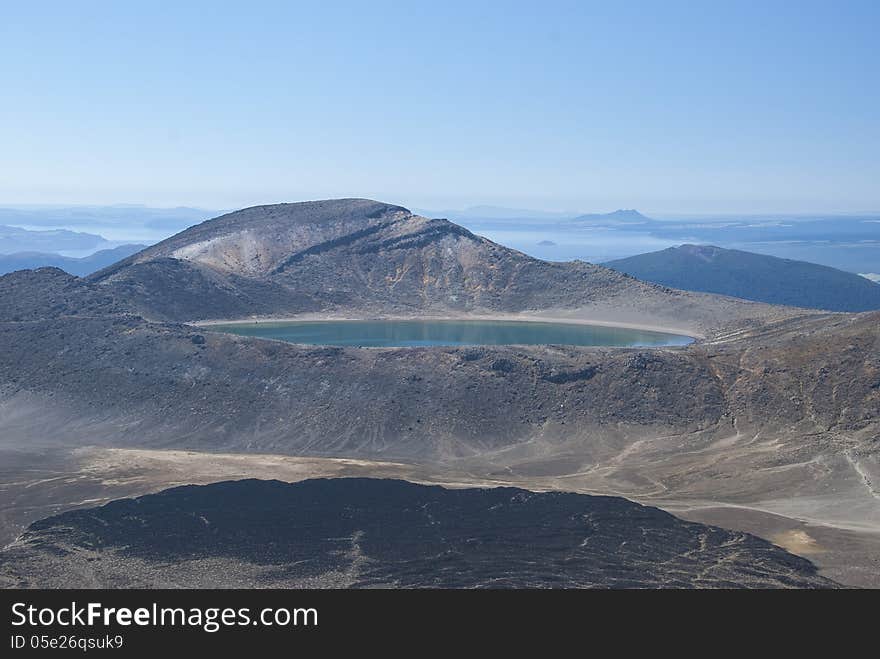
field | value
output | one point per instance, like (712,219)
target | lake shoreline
(520,317)
(429,333)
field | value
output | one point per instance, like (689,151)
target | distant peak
(627,212)
(698,249)
(703,252)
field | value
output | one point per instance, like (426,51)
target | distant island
(15,239)
(621,216)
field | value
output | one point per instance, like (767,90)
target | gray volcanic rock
(167,384)
(53,293)
(356,533)
(174,385)
(784,407)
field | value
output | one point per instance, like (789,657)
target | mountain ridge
(81,267)
(758,277)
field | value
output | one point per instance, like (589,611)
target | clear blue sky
(663,106)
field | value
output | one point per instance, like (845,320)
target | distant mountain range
(502,213)
(74,266)
(752,276)
(15,239)
(170,219)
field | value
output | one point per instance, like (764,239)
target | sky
(668,107)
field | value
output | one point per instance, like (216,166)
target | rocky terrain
(805,377)
(367,533)
(775,412)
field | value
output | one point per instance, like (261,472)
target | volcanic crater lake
(421,333)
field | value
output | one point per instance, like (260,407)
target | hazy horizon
(549,212)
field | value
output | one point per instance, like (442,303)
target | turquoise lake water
(421,333)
